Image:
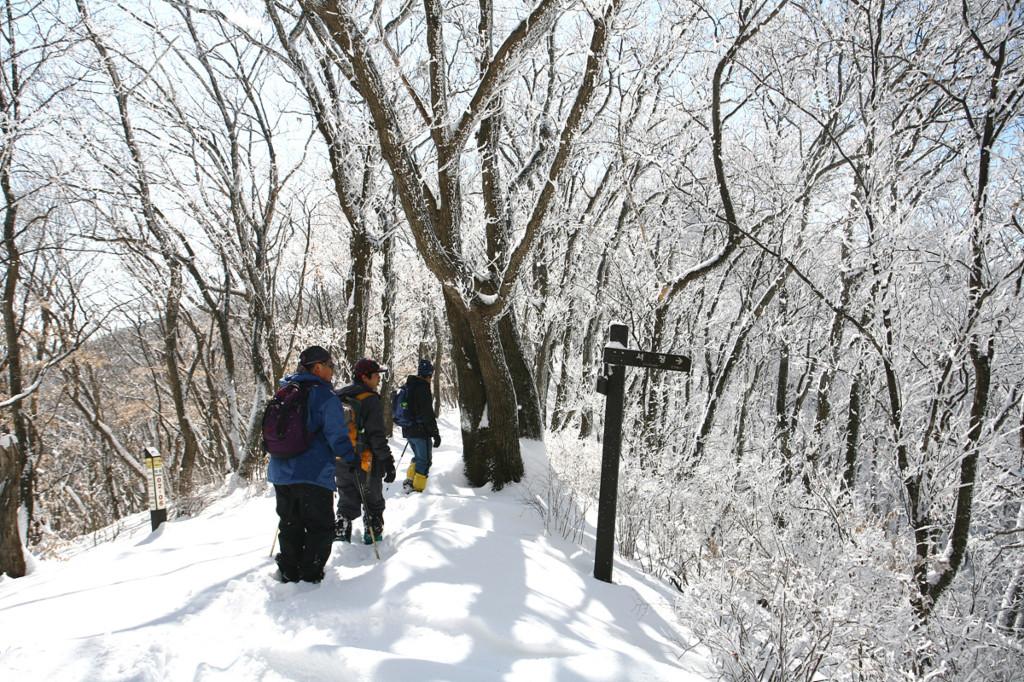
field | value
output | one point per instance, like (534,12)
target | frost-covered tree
(33,78)
(465,64)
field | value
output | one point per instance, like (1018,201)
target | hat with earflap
(311,356)
(425,369)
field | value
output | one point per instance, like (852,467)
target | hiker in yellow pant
(423,435)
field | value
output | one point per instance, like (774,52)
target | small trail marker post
(157,494)
(612,383)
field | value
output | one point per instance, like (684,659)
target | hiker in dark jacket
(350,476)
(304,485)
(423,431)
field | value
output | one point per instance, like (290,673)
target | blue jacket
(326,418)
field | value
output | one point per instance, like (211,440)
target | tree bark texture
(387,304)
(14,459)
(528,402)
(12,559)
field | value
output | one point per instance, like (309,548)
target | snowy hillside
(469,587)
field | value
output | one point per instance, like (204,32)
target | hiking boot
(376,524)
(282,578)
(343,530)
(289,573)
(314,577)
(407,486)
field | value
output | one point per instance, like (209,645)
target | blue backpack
(401,412)
(284,422)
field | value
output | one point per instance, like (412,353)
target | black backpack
(284,422)
(401,412)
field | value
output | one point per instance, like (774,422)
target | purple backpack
(284,422)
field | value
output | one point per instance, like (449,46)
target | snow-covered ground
(469,587)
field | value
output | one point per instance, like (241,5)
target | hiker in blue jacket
(304,484)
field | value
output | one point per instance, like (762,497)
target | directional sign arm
(637,358)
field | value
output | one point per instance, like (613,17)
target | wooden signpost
(157,494)
(613,385)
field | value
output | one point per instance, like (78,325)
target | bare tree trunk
(591,351)
(528,402)
(980,350)
(216,426)
(499,427)
(438,345)
(853,421)
(590,371)
(544,353)
(172,308)
(14,458)
(387,305)
(12,560)
(472,395)
(357,288)
(782,423)
(559,413)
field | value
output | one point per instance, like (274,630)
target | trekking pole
(362,495)
(277,529)
(388,486)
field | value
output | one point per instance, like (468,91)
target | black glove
(389,476)
(437,441)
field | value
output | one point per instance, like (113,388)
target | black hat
(425,369)
(313,355)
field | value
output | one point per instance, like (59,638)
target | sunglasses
(329,364)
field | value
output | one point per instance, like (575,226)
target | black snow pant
(306,530)
(350,502)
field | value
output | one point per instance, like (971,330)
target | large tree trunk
(497,434)
(490,424)
(13,459)
(357,288)
(531,424)
(12,559)
(470,390)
